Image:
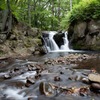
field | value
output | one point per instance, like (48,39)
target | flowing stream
(20,77)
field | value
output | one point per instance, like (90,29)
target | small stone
(57,78)
(32,65)
(16,69)
(30,80)
(30,68)
(85,80)
(30,98)
(78,78)
(61,72)
(71,78)
(37,76)
(27,84)
(7,76)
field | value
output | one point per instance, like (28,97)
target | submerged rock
(47,89)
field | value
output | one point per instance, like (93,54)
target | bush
(84,11)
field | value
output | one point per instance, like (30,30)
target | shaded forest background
(21,21)
(44,14)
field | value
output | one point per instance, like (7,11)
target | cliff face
(85,35)
(21,41)
(17,38)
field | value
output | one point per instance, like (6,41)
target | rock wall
(22,41)
(85,35)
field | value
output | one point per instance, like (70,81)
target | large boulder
(85,35)
(59,38)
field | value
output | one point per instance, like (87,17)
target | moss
(77,46)
(31,42)
(38,41)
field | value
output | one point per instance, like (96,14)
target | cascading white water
(66,43)
(53,47)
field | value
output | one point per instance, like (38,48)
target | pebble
(7,76)
(85,80)
(57,78)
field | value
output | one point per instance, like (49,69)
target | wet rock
(16,69)
(75,78)
(83,91)
(38,70)
(37,76)
(78,78)
(61,72)
(94,77)
(57,78)
(95,86)
(32,64)
(27,84)
(30,98)
(7,76)
(30,80)
(85,80)
(47,89)
(30,68)
(71,78)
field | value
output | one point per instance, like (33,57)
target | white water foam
(23,76)
(14,94)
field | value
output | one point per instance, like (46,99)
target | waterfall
(51,44)
(66,43)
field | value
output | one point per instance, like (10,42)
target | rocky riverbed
(73,76)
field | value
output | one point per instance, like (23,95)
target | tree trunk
(59,12)
(4,20)
(52,8)
(70,5)
(29,12)
(7,19)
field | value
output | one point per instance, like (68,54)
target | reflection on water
(90,64)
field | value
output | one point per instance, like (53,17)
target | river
(20,78)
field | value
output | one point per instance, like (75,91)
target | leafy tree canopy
(84,11)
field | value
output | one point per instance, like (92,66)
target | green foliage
(2,4)
(44,14)
(84,11)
